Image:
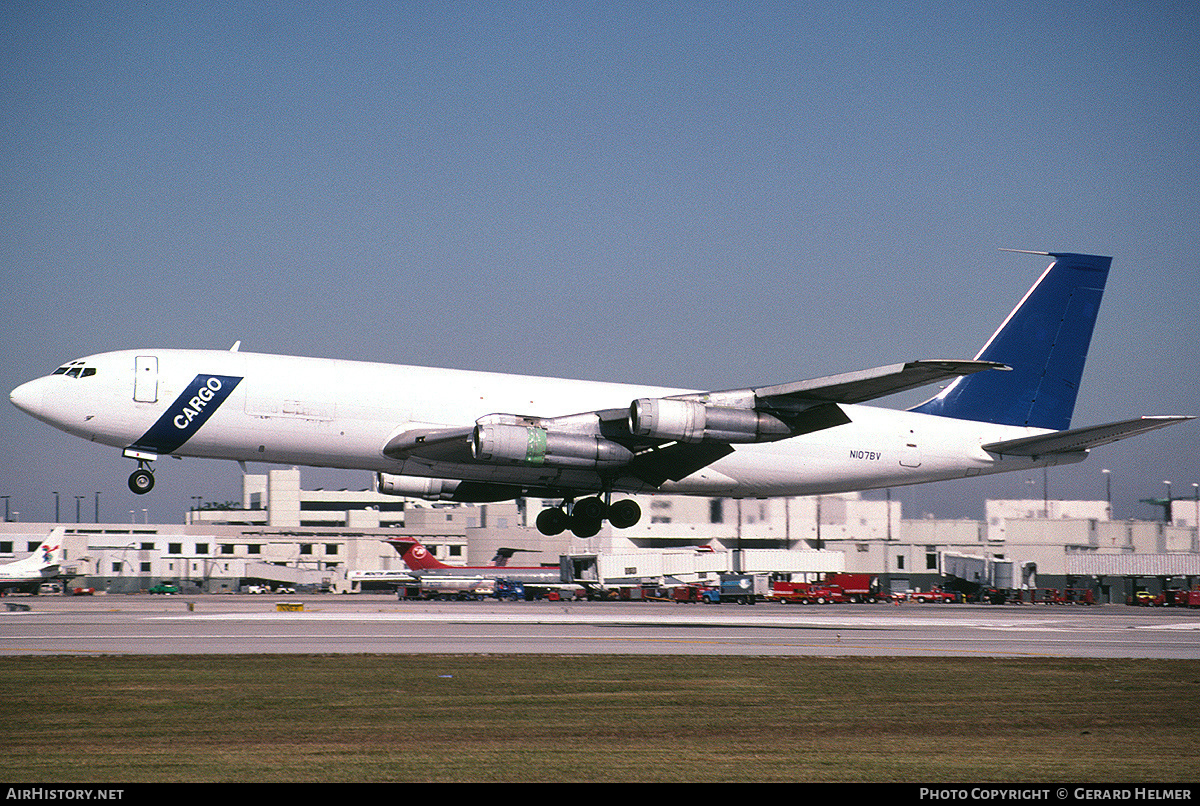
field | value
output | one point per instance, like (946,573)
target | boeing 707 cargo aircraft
(456,435)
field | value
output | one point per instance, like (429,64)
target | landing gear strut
(587,515)
(141,481)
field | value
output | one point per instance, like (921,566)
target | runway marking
(714,620)
(624,639)
(856,641)
(55,650)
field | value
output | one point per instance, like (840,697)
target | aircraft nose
(29,397)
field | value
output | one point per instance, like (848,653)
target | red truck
(1082,596)
(833,589)
(936,595)
(1171,598)
(793,593)
(856,587)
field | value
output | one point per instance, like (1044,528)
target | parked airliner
(422,564)
(43,565)
(444,434)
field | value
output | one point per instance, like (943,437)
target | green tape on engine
(535,449)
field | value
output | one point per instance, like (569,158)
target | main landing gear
(585,516)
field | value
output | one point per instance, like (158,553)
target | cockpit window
(75,369)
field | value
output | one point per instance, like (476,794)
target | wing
(857,387)
(657,439)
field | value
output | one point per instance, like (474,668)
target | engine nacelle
(416,487)
(467,492)
(532,446)
(691,421)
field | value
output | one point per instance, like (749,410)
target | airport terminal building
(283,536)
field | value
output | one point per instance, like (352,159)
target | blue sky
(701,195)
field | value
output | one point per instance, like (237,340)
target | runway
(381,624)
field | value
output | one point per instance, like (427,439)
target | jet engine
(415,487)
(530,445)
(691,421)
(444,489)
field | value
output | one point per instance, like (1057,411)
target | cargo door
(145,379)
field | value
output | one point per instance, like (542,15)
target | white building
(285,535)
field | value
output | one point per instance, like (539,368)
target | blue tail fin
(1045,341)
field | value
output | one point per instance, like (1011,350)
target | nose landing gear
(141,481)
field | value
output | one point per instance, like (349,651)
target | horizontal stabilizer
(1081,439)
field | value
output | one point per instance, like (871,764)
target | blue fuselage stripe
(183,418)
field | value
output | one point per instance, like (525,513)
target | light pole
(1032,482)
(1108,493)
(56,506)
(1167,508)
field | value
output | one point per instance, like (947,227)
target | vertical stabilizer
(45,558)
(415,556)
(1045,341)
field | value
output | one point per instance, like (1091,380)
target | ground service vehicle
(790,592)
(509,589)
(739,588)
(937,595)
(831,589)
(856,587)
(687,593)
(1083,596)
(808,593)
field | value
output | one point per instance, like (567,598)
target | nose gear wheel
(141,481)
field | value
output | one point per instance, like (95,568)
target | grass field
(287,718)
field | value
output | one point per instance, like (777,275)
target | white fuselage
(332,413)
